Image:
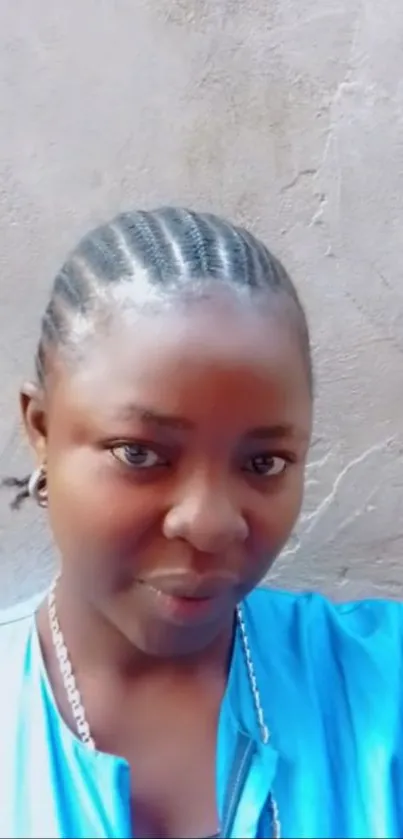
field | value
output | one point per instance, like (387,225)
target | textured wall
(286,116)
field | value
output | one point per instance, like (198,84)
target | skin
(175,451)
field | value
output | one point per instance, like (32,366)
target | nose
(206,519)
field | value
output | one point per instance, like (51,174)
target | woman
(154,691)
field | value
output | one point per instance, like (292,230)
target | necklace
(78,710)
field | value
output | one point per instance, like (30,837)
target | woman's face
(175,451)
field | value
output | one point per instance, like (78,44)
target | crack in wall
(311,519)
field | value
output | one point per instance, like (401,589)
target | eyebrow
(151,417)
(272,432)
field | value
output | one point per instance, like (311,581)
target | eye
(266,465)
(137,456)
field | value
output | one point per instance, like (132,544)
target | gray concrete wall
(286,116)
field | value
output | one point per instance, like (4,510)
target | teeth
(160,593)
(157,590)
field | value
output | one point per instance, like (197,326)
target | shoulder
(18,614)
(15,622)
(360,617)
(20,611)
(16,625)
(311,630)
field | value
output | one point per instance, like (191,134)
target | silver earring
(37,486)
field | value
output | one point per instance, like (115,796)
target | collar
(246,766)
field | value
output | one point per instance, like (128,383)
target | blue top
(331,683)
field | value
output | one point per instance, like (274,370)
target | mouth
(182,598)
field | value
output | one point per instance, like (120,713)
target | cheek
(274,517)
(95,515)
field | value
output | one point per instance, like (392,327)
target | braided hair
(170,249)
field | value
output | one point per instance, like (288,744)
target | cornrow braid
(171,249)
(22,493)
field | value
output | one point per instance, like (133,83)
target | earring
(37,486)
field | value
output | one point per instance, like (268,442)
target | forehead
(222,358)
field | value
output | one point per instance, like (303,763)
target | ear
(34,415)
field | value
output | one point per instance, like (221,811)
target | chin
(168,640)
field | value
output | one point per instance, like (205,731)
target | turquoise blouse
(330,679)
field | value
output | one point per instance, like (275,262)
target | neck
(96,644)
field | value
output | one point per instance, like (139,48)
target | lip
(191,586)
(184,599)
